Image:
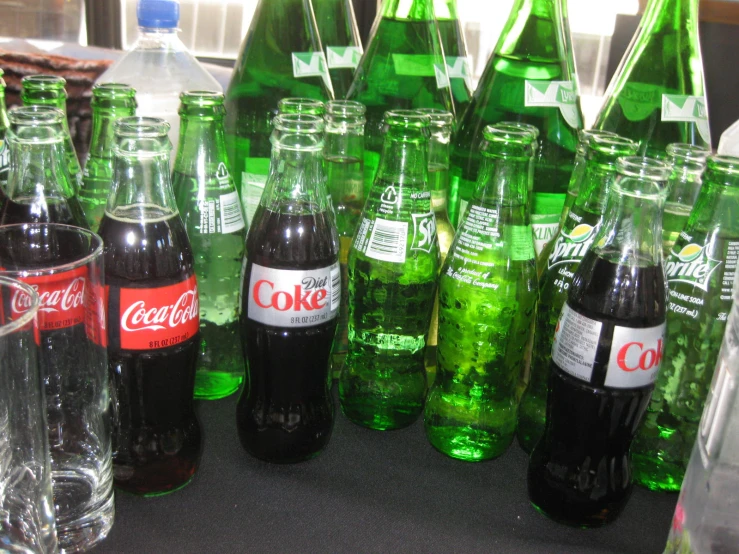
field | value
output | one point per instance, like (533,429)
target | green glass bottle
(4,124)
(487,293)
(571,244)
(337,27)
(688,163)
(307,106)
(402,68)
(657,95)
(280,56)
(211,212)
(458,63)
(441,129)
(393,267)
(48,90)
(531,78)
(700,272)
(343,159)
(110,101)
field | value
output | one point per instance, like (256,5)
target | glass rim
(407,119)
(345,108)
(44,115)
(690,153)
(299,123)
(202,97)
(438,117)
(509,132)
(112,89)
(644,167)
(45,80)
(138,127)
(724,162)
(613,144)
(95,240)
(29,315)
(584,135)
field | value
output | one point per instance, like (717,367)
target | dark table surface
(369,491)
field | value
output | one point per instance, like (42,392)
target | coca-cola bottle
(291,295)
(606,354)
(153,315)
(40,188)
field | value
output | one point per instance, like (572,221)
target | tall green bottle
(393,267)
(48,90)
(110,101)
(487,293)
(211,212)
(657,95)
(572,243)
(4,124)
(337,27)
(458,63)
(280,56)
(700,273)
(530,78)
(402,68)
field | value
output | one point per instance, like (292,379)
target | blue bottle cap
(158,14)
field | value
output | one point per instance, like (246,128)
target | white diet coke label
(634,361)
(289,298)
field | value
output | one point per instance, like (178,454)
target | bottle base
(369,416)
(652,472)
(154,479)
(214,385)
(85,532)
(468,444)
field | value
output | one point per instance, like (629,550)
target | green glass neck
(717,205)
(530,24)
(446,9)
(670,16)
(419,10)
(600,173)
(505,175)
(404,158)
(202,141)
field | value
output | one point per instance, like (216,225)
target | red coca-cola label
(96,320)
(159,317)
(61,299)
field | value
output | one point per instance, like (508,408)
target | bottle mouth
(438,119)
(202,97)
(725,164)
(36,124)
(298,132)
(642,177)
(346,109)
(611,146)
(407,119)
(299,105)
(44,82)
(113,95)
(681,153)
(141,127)
(518,134)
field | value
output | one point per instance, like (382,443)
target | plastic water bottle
(707,514)
(159,66)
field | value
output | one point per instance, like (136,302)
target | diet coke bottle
(153,315)
(607,349)
(291,295)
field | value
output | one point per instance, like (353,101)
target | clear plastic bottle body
(159,67)
(706,518)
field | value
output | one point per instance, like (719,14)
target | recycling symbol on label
(390,195)
(222,174)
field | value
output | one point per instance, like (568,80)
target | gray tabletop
(368,491)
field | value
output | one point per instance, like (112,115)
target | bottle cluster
(477,260)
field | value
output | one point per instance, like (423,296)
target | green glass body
(4,123)
(280,56)
(458,64)
(657,95)
(48,90)
(109,103)
(393,267)
(337,27)
(402,68)
(487,298)
(572,243)
(700,272)
(211,212)
(530,78)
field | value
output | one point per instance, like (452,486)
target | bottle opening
(346,109)
(516,133)
(37,124)
(141,136)
(642,177)
(725,164)
(612,145)
(43,82)
(685,154)
(438,118)
(202,97)
(298,105)
(409,119)
(298,132)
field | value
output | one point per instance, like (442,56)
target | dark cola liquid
(285,413)
(157,440)
(53,210)
(579,473)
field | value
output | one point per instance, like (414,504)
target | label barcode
(388,241)
(232,219)
(335,288)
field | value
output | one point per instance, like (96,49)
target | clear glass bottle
(211,212)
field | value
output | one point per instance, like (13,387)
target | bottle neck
(445,9)
(296,183)
(404,158)
(504,181)
(38,169)
(347,145)
(535,29)
(202,144)
(416,10)
(103,140)
(45,98)
(669,15)
(597,181)
(155,38)
(718,200)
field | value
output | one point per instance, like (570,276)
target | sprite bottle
(280,56)
(210,209)
(458,63)
(337,27)
(688,162)
(657,95)
(307,106)
(393,266)
(531,78)
(343,160)
(487,293)
(571,244)
(48,90)
(700,273)
(441,128)
(110,101)
(4,124)
(402,68)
